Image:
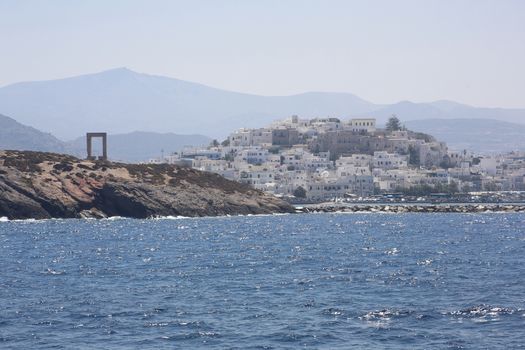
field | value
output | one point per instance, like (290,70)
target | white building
(252,155)
(251,137)
(329,185)
(385,160)
(358,160)
(240,138)
(367,125)
(257,176)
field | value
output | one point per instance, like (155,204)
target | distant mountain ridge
(122,101)
(132,147)
(407,110)
(16,136)
(479,135)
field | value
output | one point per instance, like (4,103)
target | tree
(466,188)
(416,190)
(446,162)
(299,192)
(273,150)
(413,158)
(214,143)
(491,186)
(393,124)
(225,143)
(453,187)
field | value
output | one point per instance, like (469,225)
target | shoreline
(397,208)
(43,185)
(413,208)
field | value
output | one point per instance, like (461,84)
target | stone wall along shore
(415,208)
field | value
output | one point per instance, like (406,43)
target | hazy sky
(383,51)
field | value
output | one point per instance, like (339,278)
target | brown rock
(46,185)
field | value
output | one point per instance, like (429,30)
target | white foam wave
(170,217)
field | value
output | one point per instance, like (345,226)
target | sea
(304,281)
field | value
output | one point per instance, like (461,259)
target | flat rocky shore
(412,208)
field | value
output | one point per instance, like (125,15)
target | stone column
(105,146)
(88,139)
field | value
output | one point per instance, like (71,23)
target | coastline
(412,208)
(39,185)
(326,208)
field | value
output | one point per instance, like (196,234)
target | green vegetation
(299,192)
(274,149)
(446,162)
(63,166)
(413,156)
(28,161)
(425,189)
(490,186)
(422,136)
(393,124)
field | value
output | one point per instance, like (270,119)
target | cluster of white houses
(327,158)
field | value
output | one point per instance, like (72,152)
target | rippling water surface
(330,281)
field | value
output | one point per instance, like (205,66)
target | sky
(469,51)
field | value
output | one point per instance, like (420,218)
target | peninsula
(43,185)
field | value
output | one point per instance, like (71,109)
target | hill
(16,136)
(122,101)
(133,147)
(407,110)
(48,185)
(480,135)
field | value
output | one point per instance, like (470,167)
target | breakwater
(413,207)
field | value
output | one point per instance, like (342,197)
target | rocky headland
(47,185)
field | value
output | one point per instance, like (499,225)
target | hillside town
(328,158)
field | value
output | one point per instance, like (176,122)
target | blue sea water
(315,281)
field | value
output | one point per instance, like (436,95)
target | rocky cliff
(47,185)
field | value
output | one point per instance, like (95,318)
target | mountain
(407,110)
(121,101)
(481,135)
(132,147)
(140,146)
(16,136)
